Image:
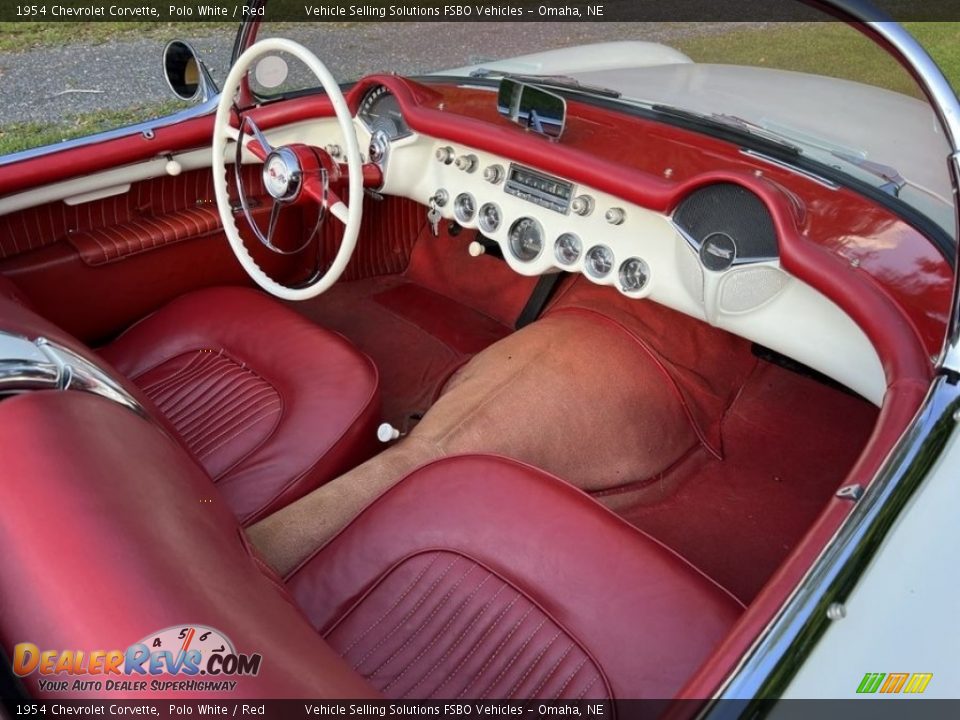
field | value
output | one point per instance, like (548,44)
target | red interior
(749,505)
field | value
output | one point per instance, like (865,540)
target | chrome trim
(737,262)
(946,105)
(42,364)
(792,168)
(768,667)
(146,128)
(206,86)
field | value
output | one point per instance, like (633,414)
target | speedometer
(526,239)
(380,111)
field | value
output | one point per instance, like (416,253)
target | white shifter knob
(387,433)
(476,249)
(173,167)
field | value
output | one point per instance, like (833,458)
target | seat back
(111,534)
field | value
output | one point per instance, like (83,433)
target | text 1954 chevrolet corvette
(592,373)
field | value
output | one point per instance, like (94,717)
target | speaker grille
(749,288)
(691,274)
(731,210)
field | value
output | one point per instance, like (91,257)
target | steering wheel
(292,174)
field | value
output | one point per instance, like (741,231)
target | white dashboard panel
(759,301)
(775,310)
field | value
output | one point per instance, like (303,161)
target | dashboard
(658,212)
(715,255)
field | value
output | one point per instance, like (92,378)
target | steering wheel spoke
(256,142)
(272,223)
(291,173)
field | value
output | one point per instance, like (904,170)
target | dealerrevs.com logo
(188,657)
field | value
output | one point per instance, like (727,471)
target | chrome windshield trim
(767,668)
(771,663)
(946,105)
(146,128)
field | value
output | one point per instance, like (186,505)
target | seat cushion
(104,543)
(478,576)
(268,403)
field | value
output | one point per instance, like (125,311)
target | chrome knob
(440,198)
(582,205)
(445,154)
(493,173)
(467,163)
(379,146)
(615,216)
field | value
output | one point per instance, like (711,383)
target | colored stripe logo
(894,683)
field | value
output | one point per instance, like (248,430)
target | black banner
(476,11)
(862,709)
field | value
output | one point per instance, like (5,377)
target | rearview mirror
(532,107)
(186,74)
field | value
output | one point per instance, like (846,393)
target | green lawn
(22,136)
(830,49)
(823,48)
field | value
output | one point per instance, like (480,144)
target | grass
(23,136)
(831,49)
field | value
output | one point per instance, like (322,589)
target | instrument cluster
(540,221)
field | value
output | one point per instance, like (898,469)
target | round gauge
(490,217)
(567,249)
(634,274)
(464,207)
(526,239)
(385,125)
(599,261)
(379,110)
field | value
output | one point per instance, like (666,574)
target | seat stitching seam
(515,657)
(570,677)
(436,608)
(393,607)
(553,669)
(463,606)
(409,613)
(496,652)
(536,661)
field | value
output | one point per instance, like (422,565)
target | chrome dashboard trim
(819,179)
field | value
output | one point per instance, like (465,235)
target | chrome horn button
(281,174)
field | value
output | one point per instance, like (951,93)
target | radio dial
(615,216)
(493,173)
(445,154)
(582,205)
(467,163)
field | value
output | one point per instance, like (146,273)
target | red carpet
(419,327)
(788,443)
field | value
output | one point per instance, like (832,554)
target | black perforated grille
(731,210)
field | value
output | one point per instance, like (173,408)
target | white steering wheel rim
(350,216)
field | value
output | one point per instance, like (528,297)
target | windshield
(819,88)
